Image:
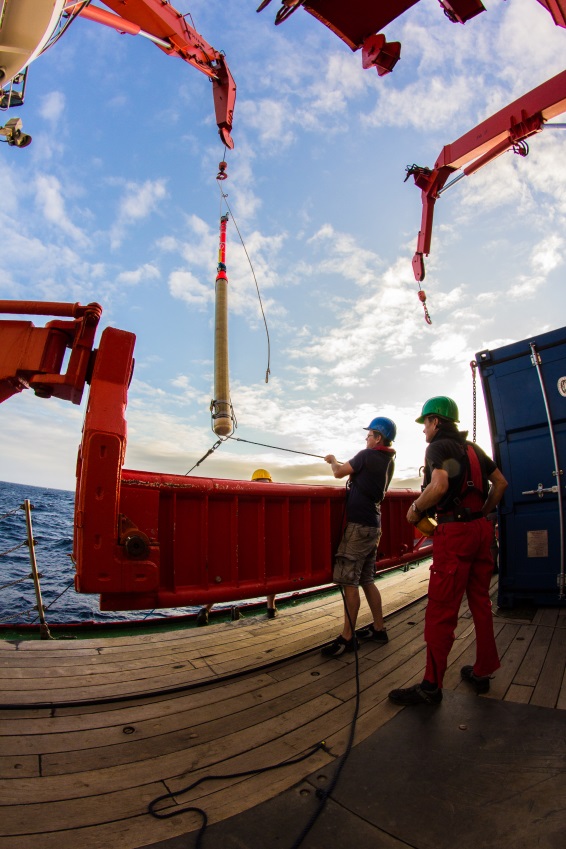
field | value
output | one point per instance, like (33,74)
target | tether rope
(219,442)
(276,447)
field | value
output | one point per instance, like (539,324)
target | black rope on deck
(323,794)
(162,815)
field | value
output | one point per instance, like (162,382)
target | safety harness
(471,488)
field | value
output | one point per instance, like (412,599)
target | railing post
(43,627)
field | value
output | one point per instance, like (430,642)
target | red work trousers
(462,563)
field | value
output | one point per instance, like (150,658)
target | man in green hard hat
(462,485)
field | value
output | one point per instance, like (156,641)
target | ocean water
(52,524)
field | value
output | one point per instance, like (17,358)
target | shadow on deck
(470,773)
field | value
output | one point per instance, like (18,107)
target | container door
(525,391)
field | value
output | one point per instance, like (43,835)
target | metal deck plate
(473,772)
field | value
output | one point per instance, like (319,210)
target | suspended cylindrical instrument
(221,407)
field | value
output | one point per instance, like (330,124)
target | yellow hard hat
(261,475)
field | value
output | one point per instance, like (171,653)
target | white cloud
(148,271)
(342,255)
(185,286)
(49,198)
(548,254)
(416,103)
(52,106)
(138,202)
(270,118)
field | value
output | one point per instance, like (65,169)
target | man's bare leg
(352,603)
(373,597)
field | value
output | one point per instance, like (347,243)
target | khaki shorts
(355,559)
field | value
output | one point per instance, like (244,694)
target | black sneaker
(416,695)
(271,612)
(202,616)
(369,633)
(338,647)
(480,682)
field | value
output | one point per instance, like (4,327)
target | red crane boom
(169,30)
(504,131)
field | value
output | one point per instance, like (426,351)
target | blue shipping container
(524,386)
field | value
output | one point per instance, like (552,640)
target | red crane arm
(497,134)
(34,357)
(557,9)
(169,30)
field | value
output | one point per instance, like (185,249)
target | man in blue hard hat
(462,486)
(370,473)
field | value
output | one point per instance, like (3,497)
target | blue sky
(116,201)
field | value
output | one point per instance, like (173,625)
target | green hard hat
(440,405)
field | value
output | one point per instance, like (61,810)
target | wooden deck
(91,732)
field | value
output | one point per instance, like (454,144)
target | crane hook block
(222,175)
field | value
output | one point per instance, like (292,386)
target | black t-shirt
(447,451)
(373,470)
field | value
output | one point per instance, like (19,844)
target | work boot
(416,695)
(369,633)
(480,682)
(339,646)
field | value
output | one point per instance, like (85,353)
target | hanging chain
(473,366)
(422,298)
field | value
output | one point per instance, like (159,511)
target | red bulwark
(145,540)
(217,540)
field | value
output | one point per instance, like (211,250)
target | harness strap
(473,485)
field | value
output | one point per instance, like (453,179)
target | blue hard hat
(384,426)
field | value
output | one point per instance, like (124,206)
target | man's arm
(339,470)
(496,490)
(430,496)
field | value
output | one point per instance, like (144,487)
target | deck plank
(122,667)
(83,779)
(547,690)
(530,667)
